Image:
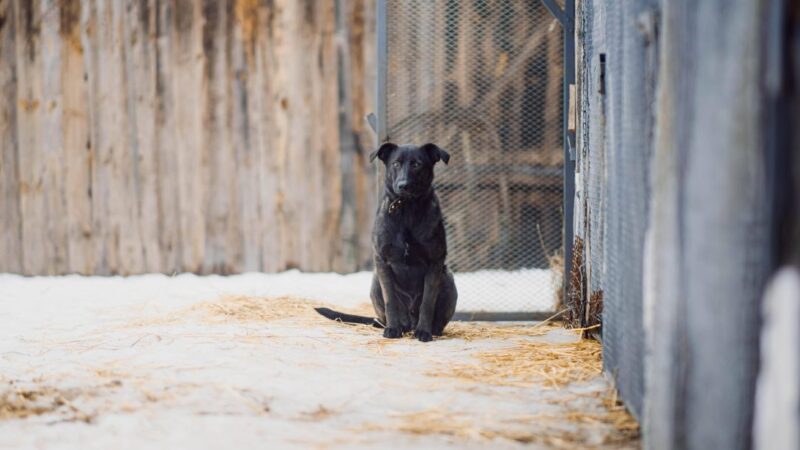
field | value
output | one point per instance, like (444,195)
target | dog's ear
(383,153)
(435,153)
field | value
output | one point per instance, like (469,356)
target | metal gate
(484,80)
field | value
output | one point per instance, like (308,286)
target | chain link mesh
(483,80)
(616,95)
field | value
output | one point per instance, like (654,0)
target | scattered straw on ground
(17,403)
(450,423)
(258,309)
(581,426)
(301,311)
(242,308)
(321,413)
(528,363)
(470,331)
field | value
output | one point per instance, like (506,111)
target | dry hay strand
(530,363)
(576,293)
(321,413)
(583,310)
(594,315)
(443,422)
(471,331)
(18,403)
(242,308)
(611,414)
(626,427)
(595,428)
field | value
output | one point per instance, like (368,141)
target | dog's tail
(349,318)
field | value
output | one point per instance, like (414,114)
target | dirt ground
(205,362)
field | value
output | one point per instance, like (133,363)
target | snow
(488,290)
(508,291)
(125,353)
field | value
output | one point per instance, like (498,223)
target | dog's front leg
(393,329)
(433,279)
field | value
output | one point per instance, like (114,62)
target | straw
(530,363)
(605,425)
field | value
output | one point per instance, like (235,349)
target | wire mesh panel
(483,80)
(617,92)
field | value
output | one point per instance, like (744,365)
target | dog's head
(409,169)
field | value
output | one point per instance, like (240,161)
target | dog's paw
(438,331)
(392,333)
(423,336)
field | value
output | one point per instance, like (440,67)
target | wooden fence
(177,135)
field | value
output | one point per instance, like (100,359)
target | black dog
(411,287)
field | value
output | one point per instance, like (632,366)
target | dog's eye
(396,164)
(415,164)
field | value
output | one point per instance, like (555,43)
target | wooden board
(165,136)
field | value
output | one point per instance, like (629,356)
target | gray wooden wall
(710,235)
(695,122)
(176,135)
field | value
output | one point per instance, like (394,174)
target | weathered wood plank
(262,122)
(51,139)
(286,101)
(36,257)
(167,164)
(190,147)
(242,45)
(10,220)
(139,26)
(362,97)
(221,247)
(326,142)
(113,200)
(77,147)
(106,261)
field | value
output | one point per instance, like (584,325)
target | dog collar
(393,206)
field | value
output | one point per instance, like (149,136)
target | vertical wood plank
(264,101)
(51,152)
(126,157)
(364,86)
(167,163)
(31,166)
(113,172)
(96,33)
(245,33)
(140,48)
(348,228)
(190,147)
(10,221)
(301,163)
(320,242)
(222,250)
(75,129)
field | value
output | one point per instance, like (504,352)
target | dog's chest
(401,245)
(411,235)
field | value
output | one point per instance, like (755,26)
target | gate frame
(566,18)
